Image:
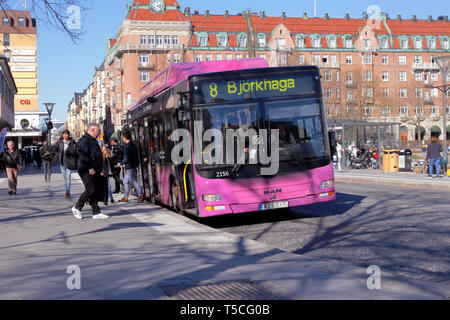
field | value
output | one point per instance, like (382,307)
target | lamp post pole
(49,106)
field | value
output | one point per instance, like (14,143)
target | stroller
(361,161)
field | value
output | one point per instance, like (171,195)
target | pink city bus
(226,137)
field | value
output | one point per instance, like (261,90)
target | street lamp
(443,63)
(49,106)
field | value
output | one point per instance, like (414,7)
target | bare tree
(63,15)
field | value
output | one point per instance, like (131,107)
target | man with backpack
(46,155)
(65,158)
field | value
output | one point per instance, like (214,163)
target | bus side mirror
(332,139)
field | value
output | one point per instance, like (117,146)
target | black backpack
(72,156)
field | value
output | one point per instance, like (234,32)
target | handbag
(443,160)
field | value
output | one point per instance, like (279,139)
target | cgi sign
(25,102)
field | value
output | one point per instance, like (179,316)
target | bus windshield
(302,140)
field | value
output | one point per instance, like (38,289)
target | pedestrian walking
(434,150)
(116,157)
(46,155)
(60,149)
(339,155)
(90,165)
(12,160)
(130,162)
(107,173)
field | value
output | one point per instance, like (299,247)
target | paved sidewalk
(148,252)
(401,179)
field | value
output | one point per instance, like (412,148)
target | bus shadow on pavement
(344,202)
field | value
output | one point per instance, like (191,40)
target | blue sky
(65,67)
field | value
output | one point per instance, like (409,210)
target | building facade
(19,45)
(8,90)
(375,70)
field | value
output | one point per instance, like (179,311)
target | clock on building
(158,5)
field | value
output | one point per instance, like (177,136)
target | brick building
(377,70)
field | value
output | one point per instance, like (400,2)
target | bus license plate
(274,205)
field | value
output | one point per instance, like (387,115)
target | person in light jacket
(434,150)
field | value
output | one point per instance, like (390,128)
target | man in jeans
(434,150)
(46,155)
(130,162)
(90,165)
(60,148)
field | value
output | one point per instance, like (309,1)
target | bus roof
(176,72)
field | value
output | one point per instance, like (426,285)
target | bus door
(155,157)
(144,156)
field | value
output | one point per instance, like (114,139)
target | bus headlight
(327,184)
(212,197)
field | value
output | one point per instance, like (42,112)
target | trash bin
(405,160)
(390,160)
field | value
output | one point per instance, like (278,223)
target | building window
(222,41)
(151,40)
(403,93)
(327,75)
(385,92)
(434,76)
(143,39)
(367,58)
(243,41)
(5,21)
(402,76)
(198,57)
(435,110)
(349,76)
(167,40)
(316,43)
(366,44)
(384,43)
(401,59)
(218,56)
(337,75)
(203,41)
(385,76)
(175,40)
(118,97)
(316,59)
(21,22)
(445,44)
(143,58)
(145,76)
(301,42)
(432,43)
(384,59)
(404,43)
(338,93)
(419,110)
(367,75)
(418,59)
(261,43)
(168,58)
(6,40)
(332,43)
(418,92)
(208,57)
(403,111)
(418,43)
(229,56)
(118,80)
(159,40)
(368,111)
(238,56)
(176,57)
(434,92)
(301,59)
(348,43)
(7,54)
(386,111)
(348,59)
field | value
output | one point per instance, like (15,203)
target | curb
(433,185)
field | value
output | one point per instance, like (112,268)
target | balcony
(350,83)
(145,65)
(428,84)
(425,66)
(435,116)
(329,65)
(428,100)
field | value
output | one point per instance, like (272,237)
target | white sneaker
(77,213)
(100,216)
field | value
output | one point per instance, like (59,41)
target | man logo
(273,191)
